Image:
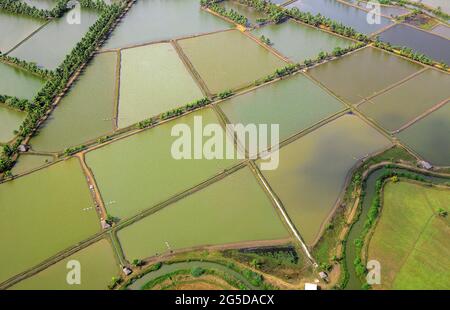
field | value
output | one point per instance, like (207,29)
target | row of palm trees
(57,83)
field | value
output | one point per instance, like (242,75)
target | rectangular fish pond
(234,209)
(312,170)
(48,211)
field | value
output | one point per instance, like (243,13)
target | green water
(252,14)
(312,170)
(155,20)
(41,4)
(429,137)
(138,172)
(295,104)
(363,73)
(229,60)
(14,29)
(405,102)
(86,112)
(28,162)
(233,209)
(51,44)
(354,283)
(47,211)
(308,42)
(153,79)
(10,120)
(165,269)
(18,83)
(98,266)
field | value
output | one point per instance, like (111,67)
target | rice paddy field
(413,249)
(91,140)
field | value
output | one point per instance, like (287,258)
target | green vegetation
(231,14)
(81,53)
(265,40)
(413,250)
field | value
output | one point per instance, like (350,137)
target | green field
(18,83)
(42,214)
(10,120)
(234,209)
(98,266)
(229,60)
(411,241)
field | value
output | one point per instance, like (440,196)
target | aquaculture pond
(98,266)
(229,60)
(14,29)
(295,104)
(156,20)
(308,43)
(443,4)
(363,73)
(312,170)
(41,47)
(138,172)
(234,209)
(18,83)
(86,112)
(429,136)
(29,162)
(252,14)
(436,47)
(354,282)
(442,30)
(48,211)
(341,12)
(153,80)
(403,103)
(386,10)
(414,250)
(41,4)
(169,268)
(10,120)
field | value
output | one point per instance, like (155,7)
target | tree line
(54,86)
(231,14)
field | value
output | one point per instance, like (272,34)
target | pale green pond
(86,112)
(234,209)
(97,267)
(138,172)
(312,170)
(430,136)
(299,42)
(18,83)
(363,73)
(295,104)
(28,162)
(51,44)
(14,29)
(156,20)
(42,214)
(153,79)
(403,103)
(10,120)
(229,60)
